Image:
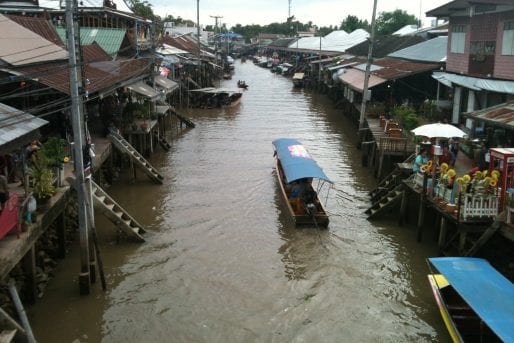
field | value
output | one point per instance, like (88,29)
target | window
(508,38)
(458,39)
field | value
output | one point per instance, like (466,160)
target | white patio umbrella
(438,130)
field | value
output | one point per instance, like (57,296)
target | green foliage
(143,9)
(352,23)
(389,22)
(52,152)
(42,179)
(406,116)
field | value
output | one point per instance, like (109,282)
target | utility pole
(289,9)
(368,68)
(77,116)
(199,45)
(216,17)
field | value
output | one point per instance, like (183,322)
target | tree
(143,9)
(352,23)
(389,22)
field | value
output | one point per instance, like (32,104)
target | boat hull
(462,323)
(298,213)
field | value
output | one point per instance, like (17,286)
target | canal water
(224,263)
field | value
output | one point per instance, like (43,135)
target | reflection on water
(224,263)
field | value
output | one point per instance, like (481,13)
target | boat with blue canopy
(296,169)
(475,300)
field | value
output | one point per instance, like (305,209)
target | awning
(355,79)
(298,76)
(501,115)
(161,109)
(484,289)
(18,128)
(142,88)
(475,83)
(296,162)
(165,83)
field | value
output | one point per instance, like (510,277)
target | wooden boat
(242,84)
(475,300)
(295,169)
(227,76)
(211,97)
(298,79)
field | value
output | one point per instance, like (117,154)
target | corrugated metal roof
(109,39)
(14,124)
(499,115)
(41,26)
(21,46)
(396,69)
(101,75)
(142,88)
(167,84)
(384,45)
(433,50)
(94,53)
(182,43)
(355,79)
(459,5)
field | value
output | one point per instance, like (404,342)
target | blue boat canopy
(296,162)
(485,290)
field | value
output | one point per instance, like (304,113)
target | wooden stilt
(403,209)
(443,231)
(61,235)
(29,267)
(21,311)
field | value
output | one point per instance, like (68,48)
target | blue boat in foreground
(475,300)
(296,169)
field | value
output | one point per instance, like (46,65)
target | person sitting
(421,159)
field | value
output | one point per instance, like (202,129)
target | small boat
(242,84)
(295,169)
(475,300)
(298,79)
(227,76)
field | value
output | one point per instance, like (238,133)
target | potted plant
(52,155)
(42,183)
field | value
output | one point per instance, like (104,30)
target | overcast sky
(262,12)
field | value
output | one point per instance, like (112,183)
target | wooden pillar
(29,267)
(462,241)
(421,210)
(443,231)
(403,209)
(61,235)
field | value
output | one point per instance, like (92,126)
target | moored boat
(211,97)
(295,169)
(475,300)
(298,79)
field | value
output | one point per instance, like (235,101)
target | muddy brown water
(223,262)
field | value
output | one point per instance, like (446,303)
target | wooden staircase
(186,121)
(386,185)
(116,214)
(162,141)
(121,144)
(386,202)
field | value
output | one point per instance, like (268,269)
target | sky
(263,12)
